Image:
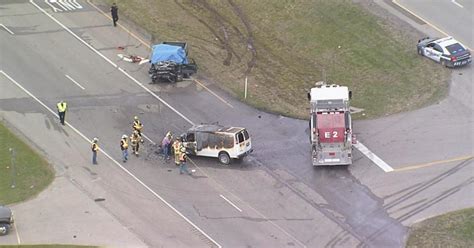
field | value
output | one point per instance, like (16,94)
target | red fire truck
(331,125)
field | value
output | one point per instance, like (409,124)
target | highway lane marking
(112,63)
(146,89)
(231,203)
(88,140)
(17,234)
(52,6)
(166,104)
(149,47)
(148,139)
(66,5)
(212,92)
(378,161)
(427,22)
(8,30)
(458,4)
(74,81)
(248,205)
(423,165)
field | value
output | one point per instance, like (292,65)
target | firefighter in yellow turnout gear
(177,150)
(138,126)
(135,140)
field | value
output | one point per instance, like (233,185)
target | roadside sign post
(13,169)
(245,90)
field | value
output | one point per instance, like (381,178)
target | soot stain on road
(350,204)
(363,211)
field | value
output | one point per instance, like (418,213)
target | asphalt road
(279,198)
(452,17)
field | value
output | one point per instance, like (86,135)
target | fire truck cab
(330,125)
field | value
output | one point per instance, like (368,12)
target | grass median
(284,47)
(25,176)
(455,229)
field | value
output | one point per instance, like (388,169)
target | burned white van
(217,141)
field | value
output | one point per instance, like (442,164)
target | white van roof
(215,128)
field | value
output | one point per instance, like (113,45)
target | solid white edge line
(74,81)
(231,203)
(458,4)
(8,30)
(378,161)
(17,234)
(114,161)
(212,92)
(148,139)
(112,63)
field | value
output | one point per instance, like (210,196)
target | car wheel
(4,228)
(420,52)
(224,158)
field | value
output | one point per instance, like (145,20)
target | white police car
(447,51)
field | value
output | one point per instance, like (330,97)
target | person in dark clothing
(114,12)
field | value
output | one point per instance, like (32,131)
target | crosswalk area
(64,5)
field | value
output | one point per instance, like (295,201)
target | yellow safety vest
(95,147)
(124,144)
(62,106)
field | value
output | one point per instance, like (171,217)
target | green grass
(297,44)
(32,172)
(455,229)
(46,246)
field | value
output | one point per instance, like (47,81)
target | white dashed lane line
(7,29)
(113,160)
(457,4)
(151,141)
(231,203)
(76,83)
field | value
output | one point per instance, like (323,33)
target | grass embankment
(30,175)
(284,47)
(454,229)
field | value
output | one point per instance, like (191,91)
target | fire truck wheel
(224,158)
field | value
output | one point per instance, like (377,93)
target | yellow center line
(418,166)
(149,46)
(427,22)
